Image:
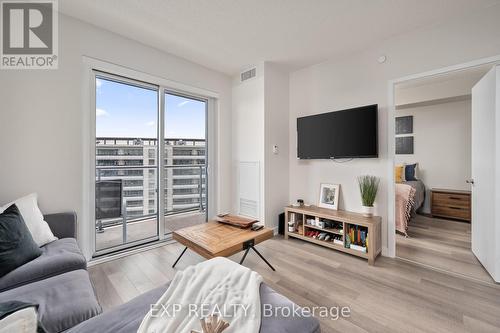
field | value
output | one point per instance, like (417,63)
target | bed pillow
(411,171)
(399,173)
(32,216)
(16,244)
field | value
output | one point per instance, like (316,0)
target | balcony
(128,214)
(139,229)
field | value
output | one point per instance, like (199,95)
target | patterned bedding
(419,198)
(405,195)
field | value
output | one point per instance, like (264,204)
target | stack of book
(294,223)
(357,238)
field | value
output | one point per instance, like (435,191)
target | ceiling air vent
(248,74)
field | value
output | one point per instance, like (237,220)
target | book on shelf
(357,238)
(358,248)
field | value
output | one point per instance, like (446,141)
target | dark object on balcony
(281,224)
(108,199)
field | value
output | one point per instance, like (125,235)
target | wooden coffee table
(214,239)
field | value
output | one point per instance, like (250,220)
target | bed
(419,198)
(410,196)
(127,317)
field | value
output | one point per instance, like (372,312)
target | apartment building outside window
(128,157)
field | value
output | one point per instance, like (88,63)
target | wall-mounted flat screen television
(351,133)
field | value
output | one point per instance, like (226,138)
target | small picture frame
(329,196)
(404,125)
(404,145)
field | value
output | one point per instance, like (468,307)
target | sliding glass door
(150,166)
(126,150)
(185,161)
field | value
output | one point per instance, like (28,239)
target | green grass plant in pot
(368,187)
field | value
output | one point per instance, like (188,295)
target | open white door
(485,142)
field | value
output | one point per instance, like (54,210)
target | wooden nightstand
(453,204)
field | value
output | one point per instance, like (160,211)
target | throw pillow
(32,216)
(17,316)
(411,171)
(16,244)
(399,173)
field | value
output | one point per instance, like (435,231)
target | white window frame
(90,66)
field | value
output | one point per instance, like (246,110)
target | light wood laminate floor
(391,296)
(443,244)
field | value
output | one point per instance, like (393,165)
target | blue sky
(127,111)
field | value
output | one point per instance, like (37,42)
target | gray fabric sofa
(127,318)
(57,280)
(59,283)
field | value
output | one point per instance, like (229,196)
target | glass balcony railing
(126,195)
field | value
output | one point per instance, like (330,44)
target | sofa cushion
(40,230)
(63,225)
(16,244)
(60,256)
(63,301)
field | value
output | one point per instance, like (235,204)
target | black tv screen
(341,134)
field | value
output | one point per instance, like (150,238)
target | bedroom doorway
(433,171)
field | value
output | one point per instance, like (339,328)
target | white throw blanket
(216,286)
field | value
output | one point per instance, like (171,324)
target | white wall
(442,145)
(276,133)
(260,121)
(360,80)
(248,132)
(41,112)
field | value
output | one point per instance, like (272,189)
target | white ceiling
(230,35)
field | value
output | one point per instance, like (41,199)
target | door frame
(391,139)
(86,230)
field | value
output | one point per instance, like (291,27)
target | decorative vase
(367,211)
